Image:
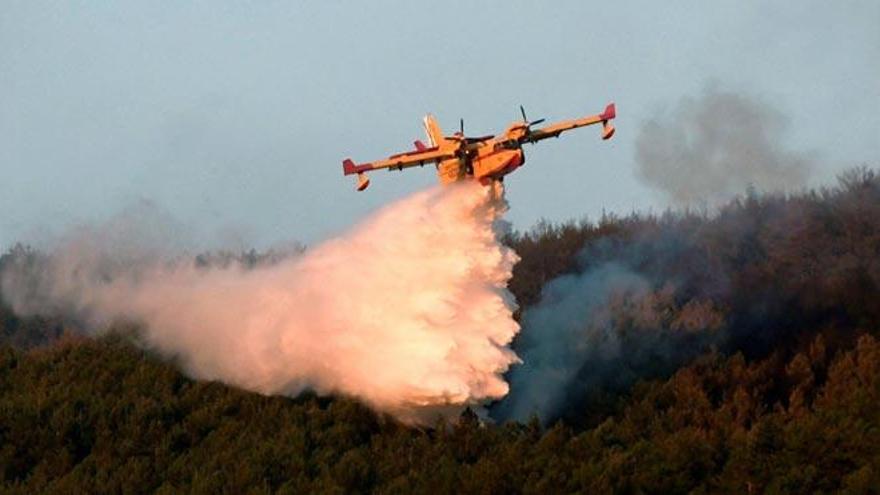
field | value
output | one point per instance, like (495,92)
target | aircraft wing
(555,130)
(421,156)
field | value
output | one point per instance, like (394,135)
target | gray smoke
(640,307)
(573,324)
(715,146)
(601,331)
(616,320)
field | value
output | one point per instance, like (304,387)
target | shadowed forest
(732,352)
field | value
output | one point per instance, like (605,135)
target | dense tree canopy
(101,417)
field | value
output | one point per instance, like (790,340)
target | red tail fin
(609,113)
(349,167)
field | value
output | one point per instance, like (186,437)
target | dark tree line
(98,416)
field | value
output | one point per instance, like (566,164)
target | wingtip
(610,112)
(348,167)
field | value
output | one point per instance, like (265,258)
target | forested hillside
(750,363)
(768,273)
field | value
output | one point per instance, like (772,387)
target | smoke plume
(409,311)
(713,147)
(573,325)
(648,295)
(641,304)
(616,320)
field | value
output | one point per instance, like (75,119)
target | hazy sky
(233,117)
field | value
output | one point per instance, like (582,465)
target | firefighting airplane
(485,158)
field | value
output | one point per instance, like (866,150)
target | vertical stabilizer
(432,130)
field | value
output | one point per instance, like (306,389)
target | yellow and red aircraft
(484,158)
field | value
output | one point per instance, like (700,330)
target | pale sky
(234,117)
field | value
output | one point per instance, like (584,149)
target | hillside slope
(97,416)
(748,363)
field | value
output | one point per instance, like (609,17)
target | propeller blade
(526,119)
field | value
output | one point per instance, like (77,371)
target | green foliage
(102,417)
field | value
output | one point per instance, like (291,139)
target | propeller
(526,119)
(460,137)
